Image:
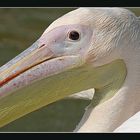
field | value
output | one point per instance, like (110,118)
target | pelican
(87,49)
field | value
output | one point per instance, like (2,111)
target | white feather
(131,125)
(85,95)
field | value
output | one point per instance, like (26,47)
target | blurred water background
(19,28)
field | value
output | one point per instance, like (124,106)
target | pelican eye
(74,35)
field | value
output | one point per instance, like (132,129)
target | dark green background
(19,28)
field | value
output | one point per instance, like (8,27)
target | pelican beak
(22,85)
(35,63)
(30,58)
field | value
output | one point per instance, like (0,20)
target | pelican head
(84,49)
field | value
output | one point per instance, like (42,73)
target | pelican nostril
(41,46)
